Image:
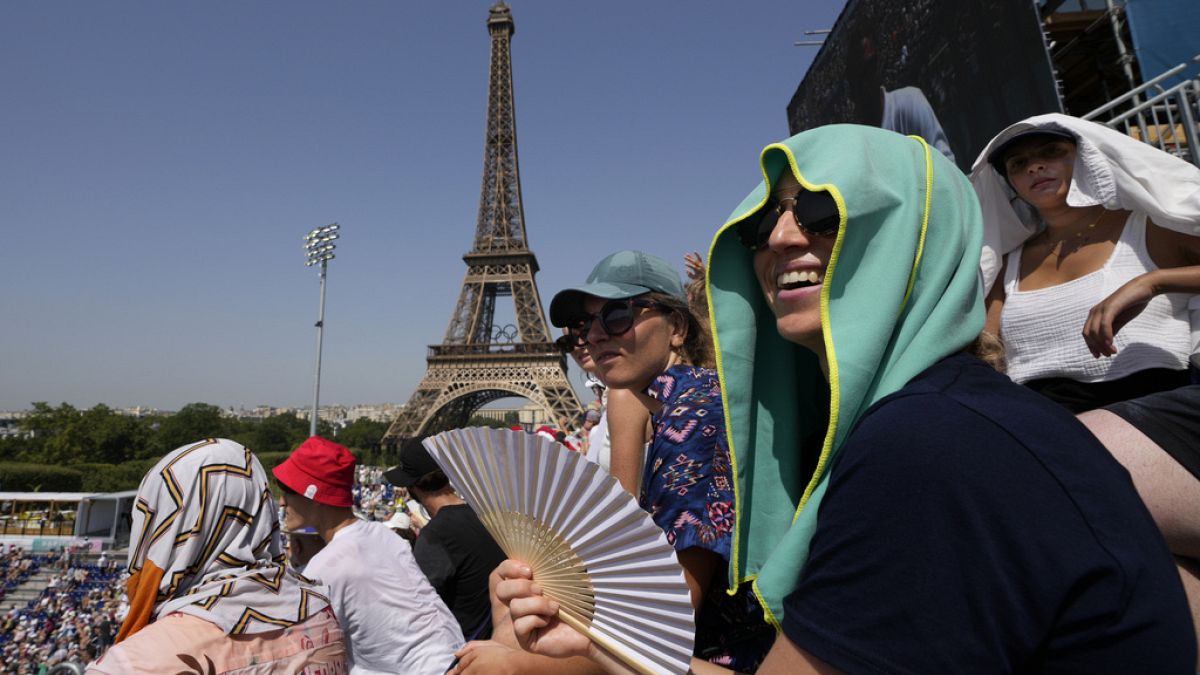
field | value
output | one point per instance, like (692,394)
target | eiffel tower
(479,361)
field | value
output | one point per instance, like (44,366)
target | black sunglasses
(616,317)
(815,212)
(567,343)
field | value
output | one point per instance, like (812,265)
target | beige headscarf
(206,542)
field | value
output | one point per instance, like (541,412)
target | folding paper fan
(589,546)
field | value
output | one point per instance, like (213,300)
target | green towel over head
(901,291)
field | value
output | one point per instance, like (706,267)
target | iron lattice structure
(478,361)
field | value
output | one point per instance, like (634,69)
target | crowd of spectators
(77,615)
(375,498)
(72,620)
(16,569)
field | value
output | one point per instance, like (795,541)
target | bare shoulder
(624,403)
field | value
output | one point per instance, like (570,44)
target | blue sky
(162,162)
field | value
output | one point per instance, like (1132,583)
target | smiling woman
(634,318)
(865,507)
(793,247)
(901,506)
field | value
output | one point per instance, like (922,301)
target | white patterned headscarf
(206,542)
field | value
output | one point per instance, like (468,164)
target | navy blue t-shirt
(972,526)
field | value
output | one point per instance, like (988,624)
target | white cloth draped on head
(206,542)
(1111,170)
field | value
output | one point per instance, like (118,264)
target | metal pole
(1126,61)
(312,427)
(1189,119)
(1123,56)
(319,246)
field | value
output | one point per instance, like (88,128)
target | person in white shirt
(394,621)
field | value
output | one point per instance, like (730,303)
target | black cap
(415,464)
(997,156)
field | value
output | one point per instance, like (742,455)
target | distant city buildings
(341,415)
(529,415)
(10,423)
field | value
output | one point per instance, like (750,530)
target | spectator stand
(62,610)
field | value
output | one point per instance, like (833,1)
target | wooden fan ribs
(590,547)
(502,508)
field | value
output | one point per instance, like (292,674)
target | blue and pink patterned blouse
(687,487)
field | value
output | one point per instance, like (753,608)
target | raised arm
(1177,256)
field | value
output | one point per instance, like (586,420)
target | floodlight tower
(318,247)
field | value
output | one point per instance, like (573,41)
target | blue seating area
(16,569)
(76,613)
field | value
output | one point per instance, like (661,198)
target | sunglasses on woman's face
(816,213)
(569,342)
(616,317)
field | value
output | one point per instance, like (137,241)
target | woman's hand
(502,631)
(534,616)
(486,656)
(1113,312)
(694,264)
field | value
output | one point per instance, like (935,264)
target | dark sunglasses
(815,212)
(567,343)
(616,317)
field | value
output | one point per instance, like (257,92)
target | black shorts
(1084,396)
(1169,418)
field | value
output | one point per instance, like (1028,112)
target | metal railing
(40,527)
(1163,117)
(493,349)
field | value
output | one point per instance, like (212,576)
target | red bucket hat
(320,470)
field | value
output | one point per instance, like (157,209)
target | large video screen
(968,67)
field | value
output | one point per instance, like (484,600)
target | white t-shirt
(393,620)
(599,446)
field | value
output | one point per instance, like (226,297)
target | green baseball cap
(624,274)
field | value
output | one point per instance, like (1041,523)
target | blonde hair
(697,347)
(989,349)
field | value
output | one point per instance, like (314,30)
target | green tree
(277,433)
(65,435)
(112,438)
(362,433)
(362,436)
(43,423)
(193,422)
(11,449)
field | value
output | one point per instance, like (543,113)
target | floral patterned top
(687,487)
